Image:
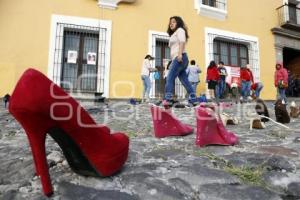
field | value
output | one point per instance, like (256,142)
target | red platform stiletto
(211,130)
(165,124)
(42,107)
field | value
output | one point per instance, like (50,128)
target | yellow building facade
(62,39)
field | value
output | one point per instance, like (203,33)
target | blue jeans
(282,95)
(178,69)
(246,88)
(147,86)
(194,86)
(259,87)
(221,88)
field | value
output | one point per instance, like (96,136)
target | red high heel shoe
(165,124)
(42,107)
(211,130)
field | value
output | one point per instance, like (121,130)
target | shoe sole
(174,135)
(76,158)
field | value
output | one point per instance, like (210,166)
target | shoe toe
(121,139)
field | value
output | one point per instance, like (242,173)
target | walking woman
(178,39)
(145,75)
(281,81)
(212,78)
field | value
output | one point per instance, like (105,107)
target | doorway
(291,60)
(162,53)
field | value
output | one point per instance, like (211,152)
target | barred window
(209,2)
(216,9)
(232,54)
(79,58)
(221,4)
(237,50)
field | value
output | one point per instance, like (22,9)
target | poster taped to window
(91,58)
(233,75)
(72,57)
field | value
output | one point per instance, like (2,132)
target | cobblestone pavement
(264,165)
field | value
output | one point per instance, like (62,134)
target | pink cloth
(281,74)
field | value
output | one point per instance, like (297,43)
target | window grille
(161,52)
(221,4)
(234,52)
(80,74)
(231,53)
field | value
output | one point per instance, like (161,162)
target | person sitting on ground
(256,89)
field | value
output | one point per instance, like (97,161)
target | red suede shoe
(165,124)
(42,107)
(211,130)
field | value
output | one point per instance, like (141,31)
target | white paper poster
(233,75)
(72,57)
(91,58)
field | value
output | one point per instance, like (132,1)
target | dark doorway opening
(291,61)
(162,52)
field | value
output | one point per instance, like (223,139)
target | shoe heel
(37,143)
(37,138)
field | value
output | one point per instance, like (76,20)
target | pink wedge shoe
(211,130)
(165,124)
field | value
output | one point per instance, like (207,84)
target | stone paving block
(235,192)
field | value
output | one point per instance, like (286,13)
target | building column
(298,12)
(279,54)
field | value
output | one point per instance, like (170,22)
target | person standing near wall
(222,83)
(145,75)
(246,77)
(281,81)
(193,75)
(178,39)
(212,79)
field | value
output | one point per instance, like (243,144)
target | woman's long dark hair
(212,64)
(180,24)
(168,65)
